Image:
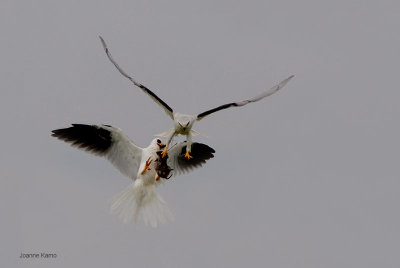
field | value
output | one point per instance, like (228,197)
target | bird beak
(161,145)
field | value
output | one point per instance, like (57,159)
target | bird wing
(105,141)
(180,165)
(168,110)
(241,103)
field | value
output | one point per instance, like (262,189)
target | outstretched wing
(159,101)
(180,165)
(241,103)
(106,141)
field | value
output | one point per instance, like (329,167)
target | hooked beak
(184,127)
(160,144)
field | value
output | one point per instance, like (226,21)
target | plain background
(308,177)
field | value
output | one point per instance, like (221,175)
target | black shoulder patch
(225,106)
(91,138)
(151,93)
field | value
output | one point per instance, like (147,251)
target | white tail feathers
(140,201)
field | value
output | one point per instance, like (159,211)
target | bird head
(160,144)
(157,144)
(183,123)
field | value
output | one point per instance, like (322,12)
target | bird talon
(147,166)
(164,152)
(188,156)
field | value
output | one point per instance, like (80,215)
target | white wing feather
(106,141)
(123,153)
(241,103)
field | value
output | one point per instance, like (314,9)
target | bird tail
(140,201)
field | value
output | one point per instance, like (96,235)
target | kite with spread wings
(183,123)
(143,165)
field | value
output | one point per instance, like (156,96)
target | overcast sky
(308,177)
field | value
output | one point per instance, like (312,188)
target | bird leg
(169,139)
(164,152)
(188,156)
(188,146)
(147,166)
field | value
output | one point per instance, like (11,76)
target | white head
(183,123)
(157,144)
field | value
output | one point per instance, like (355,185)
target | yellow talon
(147,166)
(164,152)
(188,156)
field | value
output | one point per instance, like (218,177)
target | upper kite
(182,122)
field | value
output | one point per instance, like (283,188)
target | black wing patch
(200,152)
(225,106)
(91,138)
(152,94)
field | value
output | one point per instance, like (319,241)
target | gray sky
(308,177)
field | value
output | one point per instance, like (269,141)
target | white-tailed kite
(143,165)
(182,122)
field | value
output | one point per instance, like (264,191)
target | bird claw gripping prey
(164,152)
(162,168)
(147,166)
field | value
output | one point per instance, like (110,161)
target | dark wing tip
(91,138)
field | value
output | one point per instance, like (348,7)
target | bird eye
(158,141)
